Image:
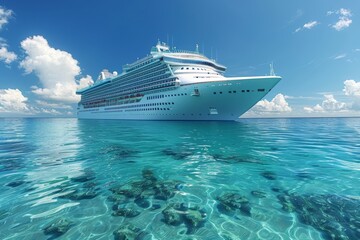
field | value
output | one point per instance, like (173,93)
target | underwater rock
(231,201)
(128,190)
(235,159)
(89,185)
(148,174)
(286,203)
(155,206)
(336,217)
(117,198)
(120,151)
(269,175)
(177,154)
(125,153)
(15,183)
(58,227)
(177,213)
(148,187)
(147,193)
(275,189)
(163,194)
(304,176)
(143,203)
(143,193)
(127,232)
(172,216)
(126,212)
(258,194)
(81,194)
(194,219)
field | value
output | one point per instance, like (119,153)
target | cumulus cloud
(351,88)
(7,56)
(343,22)
(85,82)
(56,69)
(13,101)
(330,104)
(277,104)
(344,19)
(5,15)
(308,25)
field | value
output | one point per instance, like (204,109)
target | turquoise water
(252,179)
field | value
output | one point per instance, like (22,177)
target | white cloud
(344,20)
(5,14)
(85,82)
(7,56)
(308,25)
(13,101)
(50,111)
(340,56)
(351,88)
(345,12)
(277,104)
(330,104)
(56,69)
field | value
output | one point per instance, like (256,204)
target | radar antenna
(272,72)
(197,48)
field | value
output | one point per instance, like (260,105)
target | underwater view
(251,179)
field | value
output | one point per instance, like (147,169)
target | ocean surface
(251,179)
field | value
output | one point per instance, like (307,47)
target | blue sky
(50,48)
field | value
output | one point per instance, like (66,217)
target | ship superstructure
(172,85)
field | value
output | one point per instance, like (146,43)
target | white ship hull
(226,99)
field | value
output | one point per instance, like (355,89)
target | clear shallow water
(252,179)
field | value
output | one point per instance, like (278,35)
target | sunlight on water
(252,179)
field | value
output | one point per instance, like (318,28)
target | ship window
(229,91)
(182,68)
(247,90)
(242,90)
(187,68)
(220,92)
(234,91)
(214,92)
(261,90)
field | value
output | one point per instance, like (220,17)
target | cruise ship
(171,84)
